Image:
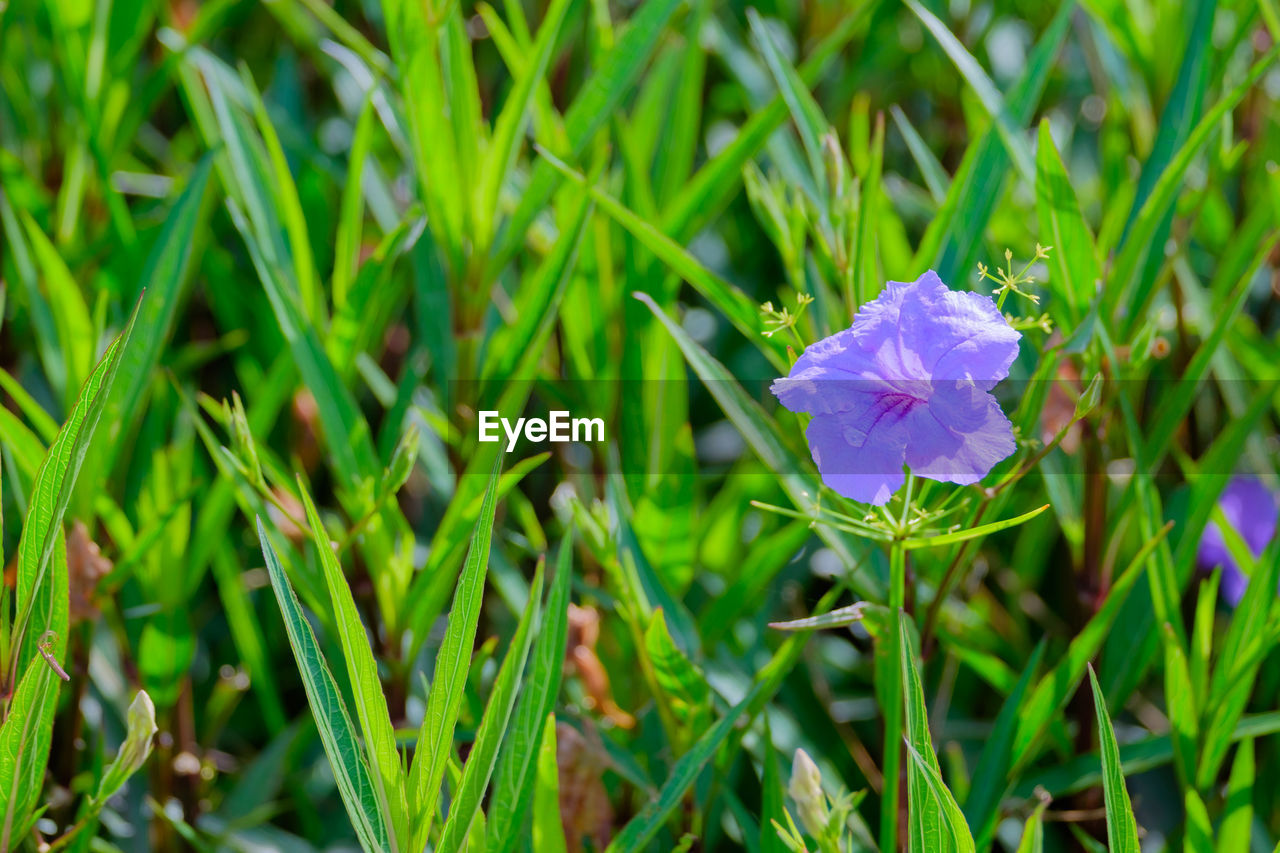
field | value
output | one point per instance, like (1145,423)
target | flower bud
(806,789)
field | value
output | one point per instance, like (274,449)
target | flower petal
(1250,507)
(957,334)
(939,450)
(860,453)
(828,376)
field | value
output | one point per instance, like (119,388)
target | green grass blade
(371,704)
(1073,262)
(712,186)
(435,738)
(1057,686)
(1199,831)
(1122,829)
(548,831)
(1184,719)
(1126,290)
(509,128)
(935,177)
(589,112)
(951,242)
(516,779)
(27,731)
(735,304)
(972,533)
(1236,829)
(935,822)
(51,493)
(805,112)
(163,279)
(355,782)
(1006,125)
(493,727)
(641,829)
(991,776)
(66,304)
(348,238)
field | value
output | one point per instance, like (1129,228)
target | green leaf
(1073,262)
(972,533)
(1126,290)
(26,733)
(1236,828)
(1058,685)
(509,128)
(593,106)
(639,831)
(1184,719)
(347,240)
(991,777)
(493,727)
(935,822)
(805,112)
(1033,831)
(548,831)
(1199,832)
(70,313)
(162,281)
(1122,829)
(682,688)
(954,235)
(518,769)
(371,704)
(355,782)
(50,495)
(735,304)
(1006,125)
(435,738)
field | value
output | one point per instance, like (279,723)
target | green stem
(893,699)
(906,502)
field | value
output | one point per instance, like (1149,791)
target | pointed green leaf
(355,783)
(1122,828)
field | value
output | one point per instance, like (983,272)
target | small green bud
(806,789)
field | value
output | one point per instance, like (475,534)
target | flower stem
(892,671)
(906,503)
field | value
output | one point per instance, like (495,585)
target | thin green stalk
(893,705)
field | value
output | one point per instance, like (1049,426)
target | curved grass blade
(355,783)
(51,492)
(1122,829)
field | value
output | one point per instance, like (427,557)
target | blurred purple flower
(1251,508)
(908,381)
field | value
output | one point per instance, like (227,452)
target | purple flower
(907,382)
(1251,508)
